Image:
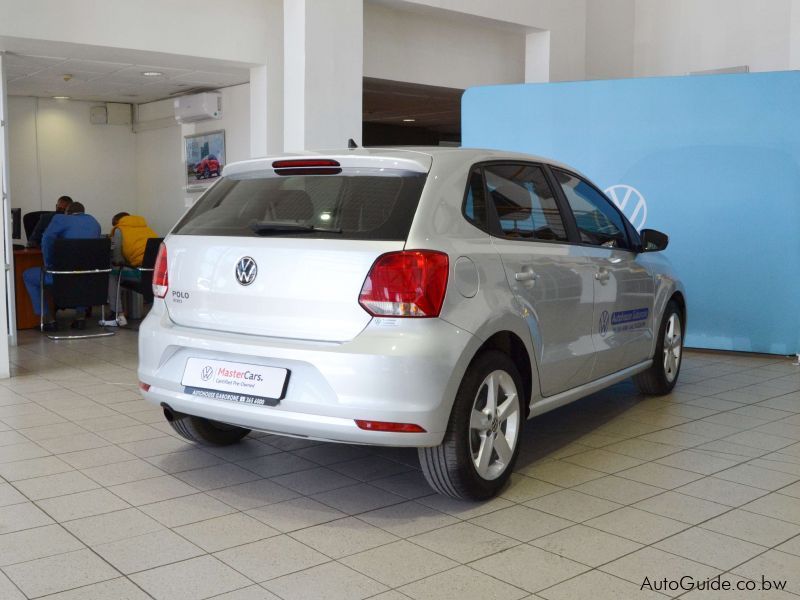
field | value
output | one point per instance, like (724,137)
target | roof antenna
(351,143)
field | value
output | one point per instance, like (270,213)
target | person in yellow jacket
(129,235)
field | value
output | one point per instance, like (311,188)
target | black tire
(658,380)
(207,432)
(449,467)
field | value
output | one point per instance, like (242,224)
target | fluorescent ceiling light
(152,73)
(60,97)
(408,120)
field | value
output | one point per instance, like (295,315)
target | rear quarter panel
(440,225)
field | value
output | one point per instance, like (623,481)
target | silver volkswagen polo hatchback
(433,298)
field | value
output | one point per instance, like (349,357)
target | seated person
(74,224)
(129,235)
(36,235)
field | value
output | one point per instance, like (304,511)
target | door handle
(526,275)
(602,275)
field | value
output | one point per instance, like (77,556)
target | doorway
(397,113)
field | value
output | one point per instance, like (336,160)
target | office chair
(144,285)
(29,221)
(80,273)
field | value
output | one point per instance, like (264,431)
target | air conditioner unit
(198,107)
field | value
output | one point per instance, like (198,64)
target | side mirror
(653,240)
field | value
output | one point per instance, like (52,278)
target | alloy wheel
(494,425)
(673,345)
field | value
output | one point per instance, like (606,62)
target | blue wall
(717,160)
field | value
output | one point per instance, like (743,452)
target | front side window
(599,223)
(524,202)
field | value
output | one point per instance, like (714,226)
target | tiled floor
(98,500)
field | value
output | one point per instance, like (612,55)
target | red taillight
(145,387)
(307,166)
(304,163)
(410,283)
(384,426)
(160,275)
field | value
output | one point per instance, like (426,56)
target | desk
(25,259)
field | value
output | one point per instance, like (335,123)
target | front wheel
(481,444)
(207,432)
(660,378)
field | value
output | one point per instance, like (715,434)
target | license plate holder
(233,381)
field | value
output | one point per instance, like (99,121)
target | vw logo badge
(604,322)
(631,202)
(246,270)
(206,373)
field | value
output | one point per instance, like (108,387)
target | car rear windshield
(370,204)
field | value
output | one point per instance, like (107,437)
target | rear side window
(524,203)
(475,201)
(599,223)
(368,204)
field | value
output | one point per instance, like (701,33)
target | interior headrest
(294,205)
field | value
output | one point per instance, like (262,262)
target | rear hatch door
(284,252)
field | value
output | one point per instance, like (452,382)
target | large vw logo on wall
(246,270)
(631,202)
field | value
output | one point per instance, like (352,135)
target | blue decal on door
(623,320)
(629,316)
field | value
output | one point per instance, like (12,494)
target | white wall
(323,73)
(159,185)
(435,49)
(24,169)
(160,174)
(56,151)
(681,36)
(610,30)
(231,30)
(565,19)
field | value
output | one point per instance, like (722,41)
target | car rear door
(550,278)
(624,290)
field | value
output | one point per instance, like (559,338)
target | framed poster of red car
(205,158)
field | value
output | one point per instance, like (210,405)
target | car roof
(421,156)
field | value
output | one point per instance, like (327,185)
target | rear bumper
(406,373)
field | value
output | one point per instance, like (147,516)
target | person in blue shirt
(74,224)
(35,239)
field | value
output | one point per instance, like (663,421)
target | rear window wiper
(267,227)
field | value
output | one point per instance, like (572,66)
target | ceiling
(389,102)
(103,81)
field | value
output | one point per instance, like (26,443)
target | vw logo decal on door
(631,202)
(206,373)
(246,270)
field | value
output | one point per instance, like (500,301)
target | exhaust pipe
(172,415)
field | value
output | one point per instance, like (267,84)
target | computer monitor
(16,223)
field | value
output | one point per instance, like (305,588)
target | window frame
(467,188)
(628,228)
(493,227)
